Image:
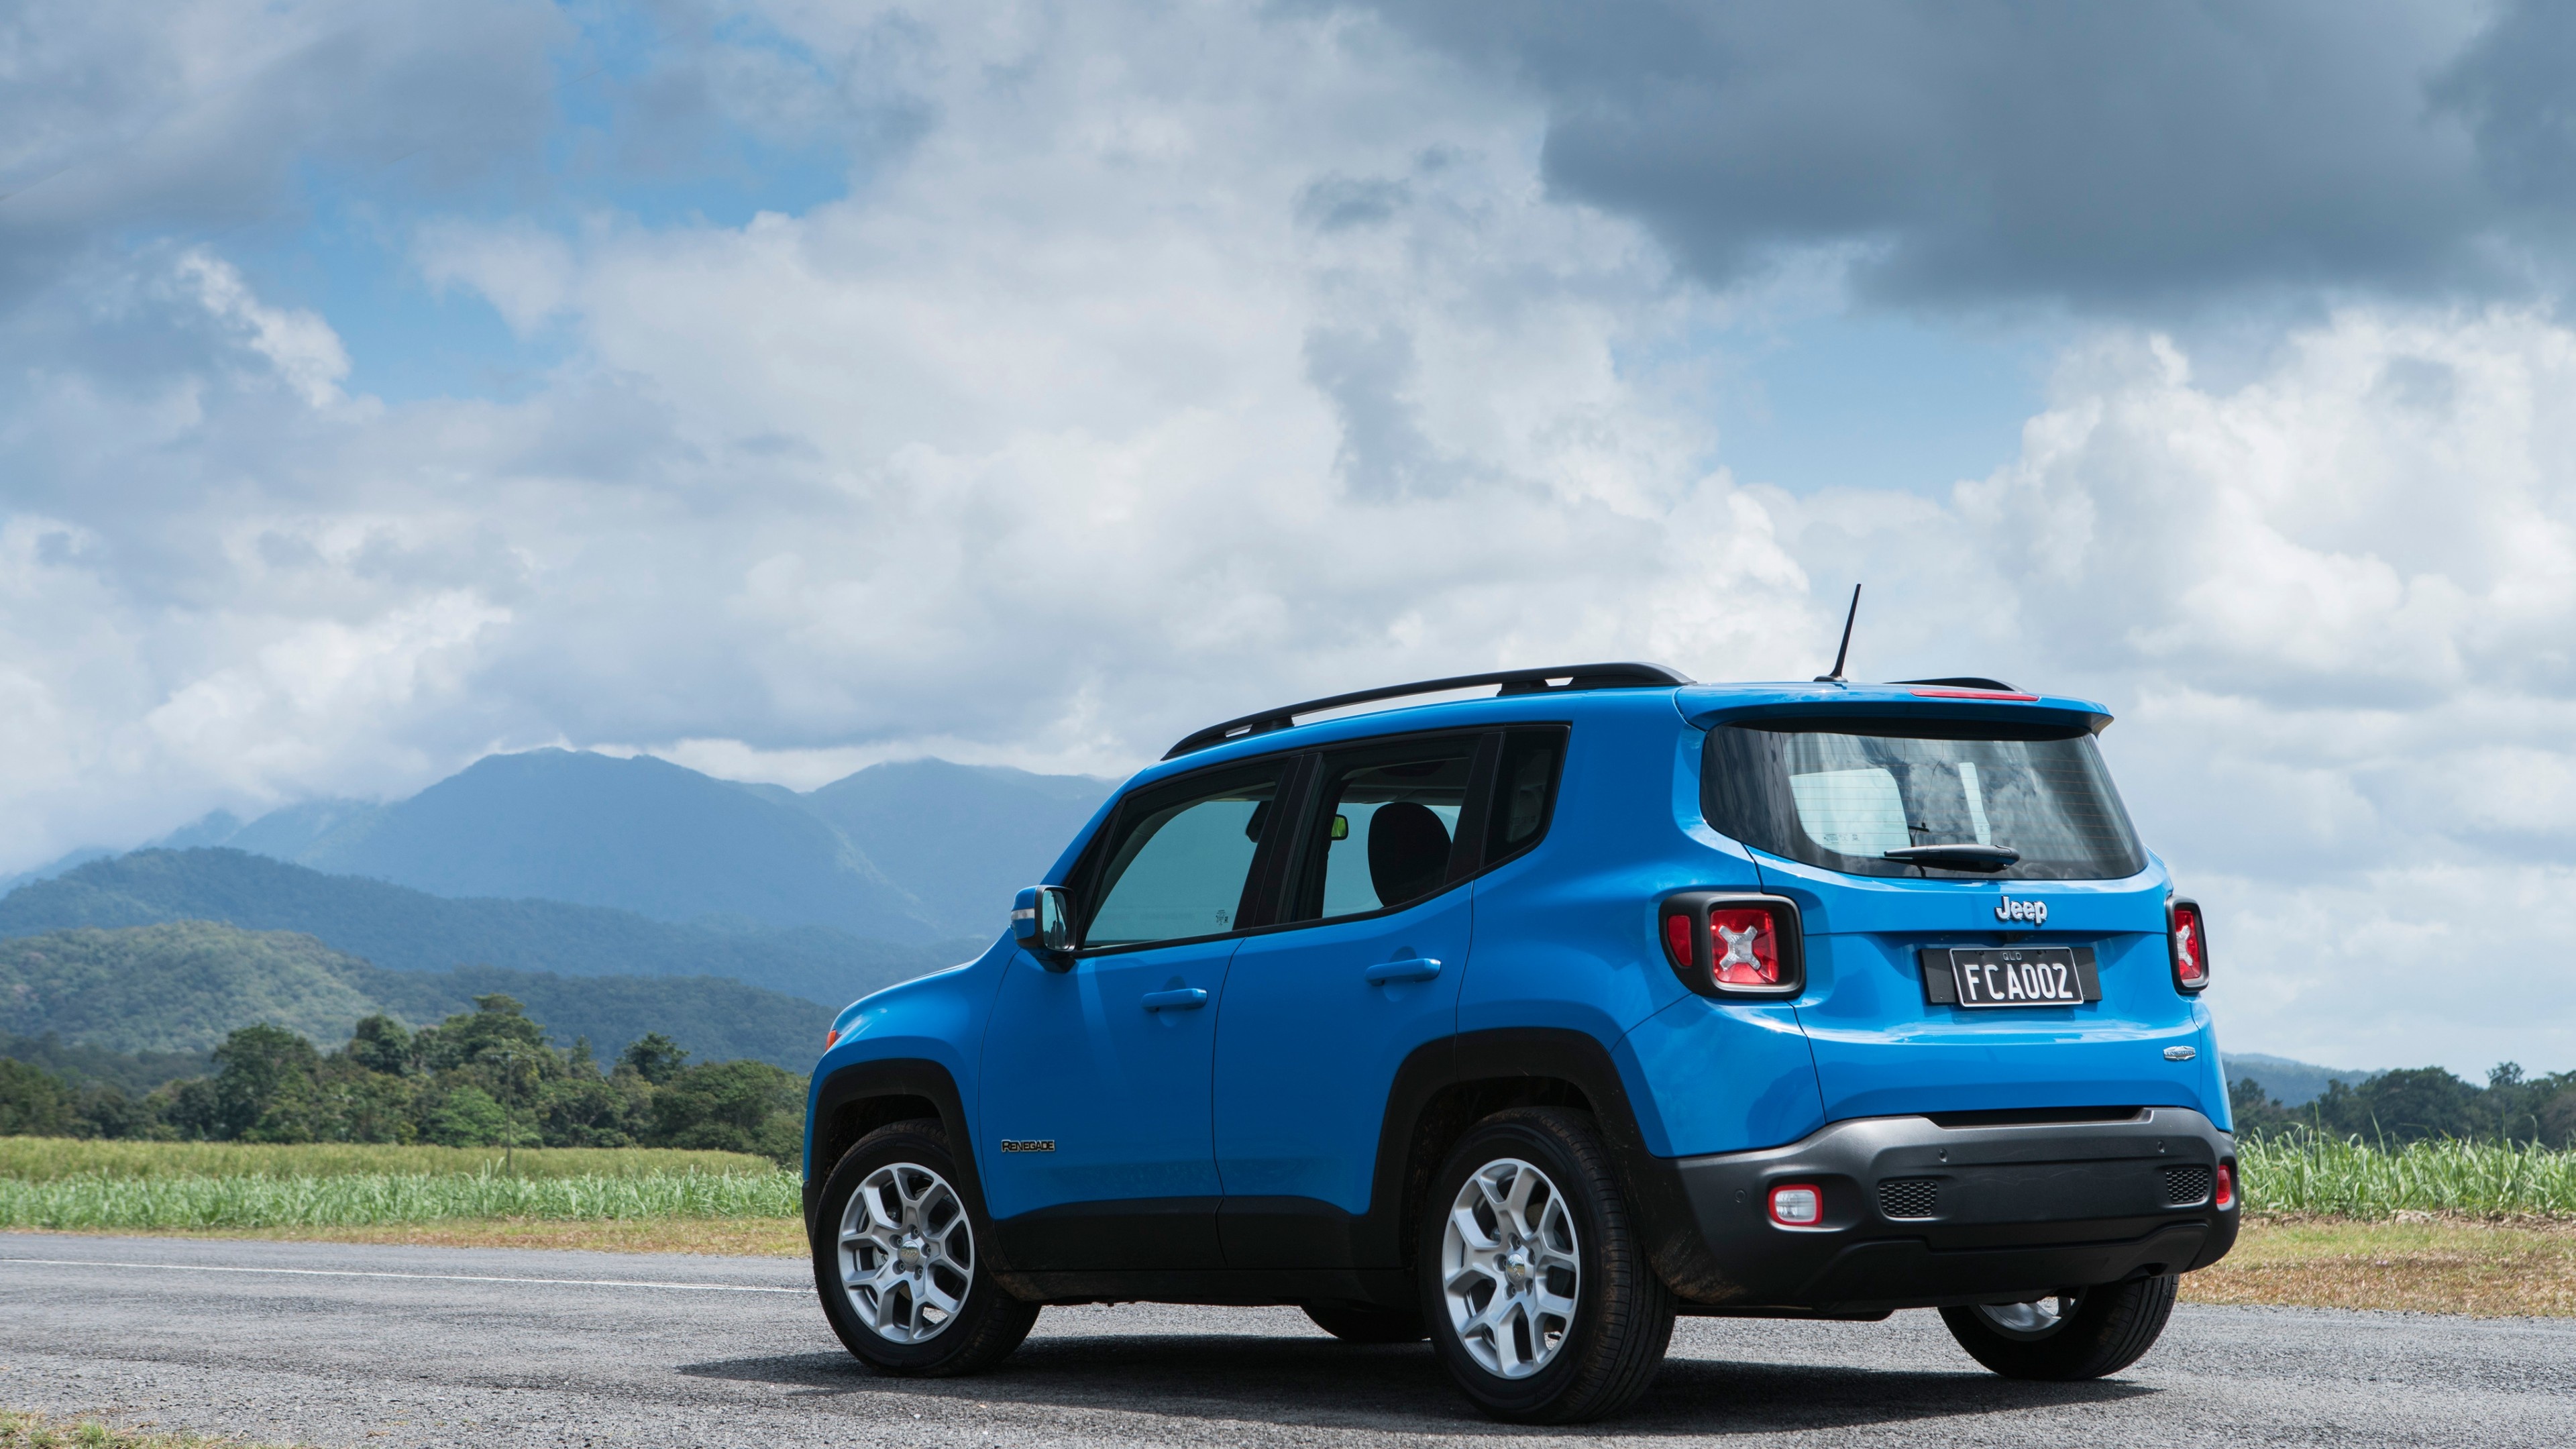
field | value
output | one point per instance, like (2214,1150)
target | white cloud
(301,346)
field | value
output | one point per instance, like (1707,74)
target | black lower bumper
(1918,1214)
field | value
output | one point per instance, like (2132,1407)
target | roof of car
(1564,690)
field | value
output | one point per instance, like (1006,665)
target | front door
(1093,1135)
(1318,1017)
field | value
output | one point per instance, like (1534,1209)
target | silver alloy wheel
(1508,1268)
(907,1253)
(2037,1319)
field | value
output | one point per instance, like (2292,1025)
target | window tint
(1180,857)
(1385,827)
(1841,793)
(1524,787)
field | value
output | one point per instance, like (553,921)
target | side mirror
(1042,921)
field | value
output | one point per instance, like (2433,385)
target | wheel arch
(1446,1087)
(857,1099)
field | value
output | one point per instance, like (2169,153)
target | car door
(1093,1134)
(1321,1010)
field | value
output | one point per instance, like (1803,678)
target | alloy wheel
(1509,1270)
(907,1253)
(2037,1319)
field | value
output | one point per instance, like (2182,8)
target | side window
(1524,791)
(1386,821)
(1179,858)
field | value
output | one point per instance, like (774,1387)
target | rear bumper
(1983,1210)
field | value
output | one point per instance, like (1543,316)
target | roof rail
(1513,681)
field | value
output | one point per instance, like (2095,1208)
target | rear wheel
(1367,1323)
(1535,1286)
(897,1260)
(2081,1333)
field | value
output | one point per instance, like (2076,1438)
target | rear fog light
(2226,1196)
(1797,1205)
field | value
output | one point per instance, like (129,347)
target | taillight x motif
(1724,944)
(2189,944)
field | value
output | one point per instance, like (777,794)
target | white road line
(413,1277)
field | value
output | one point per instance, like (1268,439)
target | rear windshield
(1839,792)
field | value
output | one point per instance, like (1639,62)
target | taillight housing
(1729,943)
(2225,1196)
(2187,942)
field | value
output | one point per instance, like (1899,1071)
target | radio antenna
(1844,652)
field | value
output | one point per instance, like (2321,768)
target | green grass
(57,1184)
(373,1198)
(42,1159)
(2309,1175)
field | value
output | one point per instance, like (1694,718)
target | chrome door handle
(1403,968)
(1185,998)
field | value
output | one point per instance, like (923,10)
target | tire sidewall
(1493,1141)
(924,1144)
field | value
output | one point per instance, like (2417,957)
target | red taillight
(2226,1197)
(1797,1205)
(1744,945)
(2189,943)
(1677,940)
(1727,943)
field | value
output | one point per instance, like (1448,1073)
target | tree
(34,1103)
(655,1057)
(2257,1112)
(738,1106)
(265,1087)
(380,1044)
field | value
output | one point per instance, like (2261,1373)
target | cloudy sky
(779,387)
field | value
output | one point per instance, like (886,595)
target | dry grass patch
(2415,1262)
(89,1431)
(716,1237)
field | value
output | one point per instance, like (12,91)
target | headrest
(1408,851)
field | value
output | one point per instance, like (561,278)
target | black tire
(1607,1352)
(911,1175)
(1368,1323)
(2098,1331)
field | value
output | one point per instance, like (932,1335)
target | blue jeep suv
(1524,1023)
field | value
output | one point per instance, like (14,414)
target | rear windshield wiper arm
(1987,858)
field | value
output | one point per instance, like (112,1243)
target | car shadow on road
(1326,1384)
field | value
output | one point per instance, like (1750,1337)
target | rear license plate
(2029,976)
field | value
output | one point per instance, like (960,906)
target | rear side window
(1387,822)
(1179,858)
(1524,791)
(1838,792)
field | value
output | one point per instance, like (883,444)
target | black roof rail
(1513,681)
(1967,681)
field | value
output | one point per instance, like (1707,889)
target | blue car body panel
(1278,1088)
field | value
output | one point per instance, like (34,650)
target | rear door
(1318,1016)
(1934,989)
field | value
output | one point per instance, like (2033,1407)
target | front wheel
(2081,1333)
(898,1263)
(1535,1284)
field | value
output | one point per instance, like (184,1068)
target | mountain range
(917,851)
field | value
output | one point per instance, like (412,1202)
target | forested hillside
(912,851)
(409,930)
(184,986)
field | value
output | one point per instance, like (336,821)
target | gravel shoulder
(342,1344)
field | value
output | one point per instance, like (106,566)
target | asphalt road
(334,1345)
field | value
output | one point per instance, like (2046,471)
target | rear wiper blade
(1965,856)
